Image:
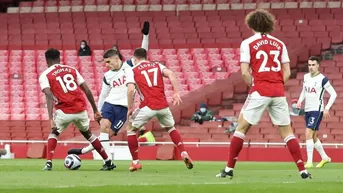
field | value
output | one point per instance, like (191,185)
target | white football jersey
(114,89)
(313,90)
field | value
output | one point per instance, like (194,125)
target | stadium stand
(200,45)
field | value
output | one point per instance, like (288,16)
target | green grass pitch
(26,176)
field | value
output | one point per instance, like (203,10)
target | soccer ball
(72,162)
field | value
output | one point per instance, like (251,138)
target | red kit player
(268,59)
(148,78)
(63,86)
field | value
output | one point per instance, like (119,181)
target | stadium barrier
(201,151)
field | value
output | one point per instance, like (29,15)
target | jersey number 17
(147,77)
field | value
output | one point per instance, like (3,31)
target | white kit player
(314,85)
(148,77)
(113,96)
(265,69)
(63,86)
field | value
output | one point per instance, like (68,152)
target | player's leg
(279,114)
(309,147)
(166,120)
(62,121)
(138,119)
(108,115)
(318,145)
(251,114)
(81,121)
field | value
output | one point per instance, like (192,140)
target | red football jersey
(265,54)
(149,80)
(64,83)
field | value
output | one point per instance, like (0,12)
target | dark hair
(109,53)
(314,58)
(52,54)
(115,47)
(260,20)
(84,41)
(140,53)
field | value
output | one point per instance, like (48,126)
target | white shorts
(80,120)
(277,108)
(141,116)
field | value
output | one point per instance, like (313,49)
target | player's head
(52,56)
(115,47)
(313,65)
(260,21)
(139,55)
(112,59)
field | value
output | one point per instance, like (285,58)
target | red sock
(294,149)
(98,147)
(52,142)
(176,138)
(133,145)
(235,147)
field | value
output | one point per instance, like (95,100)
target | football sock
(294,149)
(98,147)
(319,147)
(236,146)
(309,149)
(133,144)
(103,138)
(52,142)
(176,138)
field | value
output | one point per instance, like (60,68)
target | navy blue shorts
(116,114)
(313,119)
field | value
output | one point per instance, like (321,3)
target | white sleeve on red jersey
(245,52)
(129,76)
(162,67)
(44,81)
(284,57)
(80,79)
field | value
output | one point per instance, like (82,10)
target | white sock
(319,147)
(309,149)
(227,169)
(87,149)
(135,161)
(104,139)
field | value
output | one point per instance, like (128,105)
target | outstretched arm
(145,32)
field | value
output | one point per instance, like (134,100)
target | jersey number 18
(67,82)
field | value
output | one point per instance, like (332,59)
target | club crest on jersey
(119,81)
(310,89)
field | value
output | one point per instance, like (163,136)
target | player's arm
(245,70)
(105,90)
(84,87)
(333,95)
(301,97)
(145,32)
(131,86)
(285,64)
(245,63)
(171,76)
(45,86)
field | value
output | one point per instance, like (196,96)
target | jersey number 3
(147,77)
(67,83)
(263,67)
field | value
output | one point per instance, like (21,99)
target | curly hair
(261,21)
